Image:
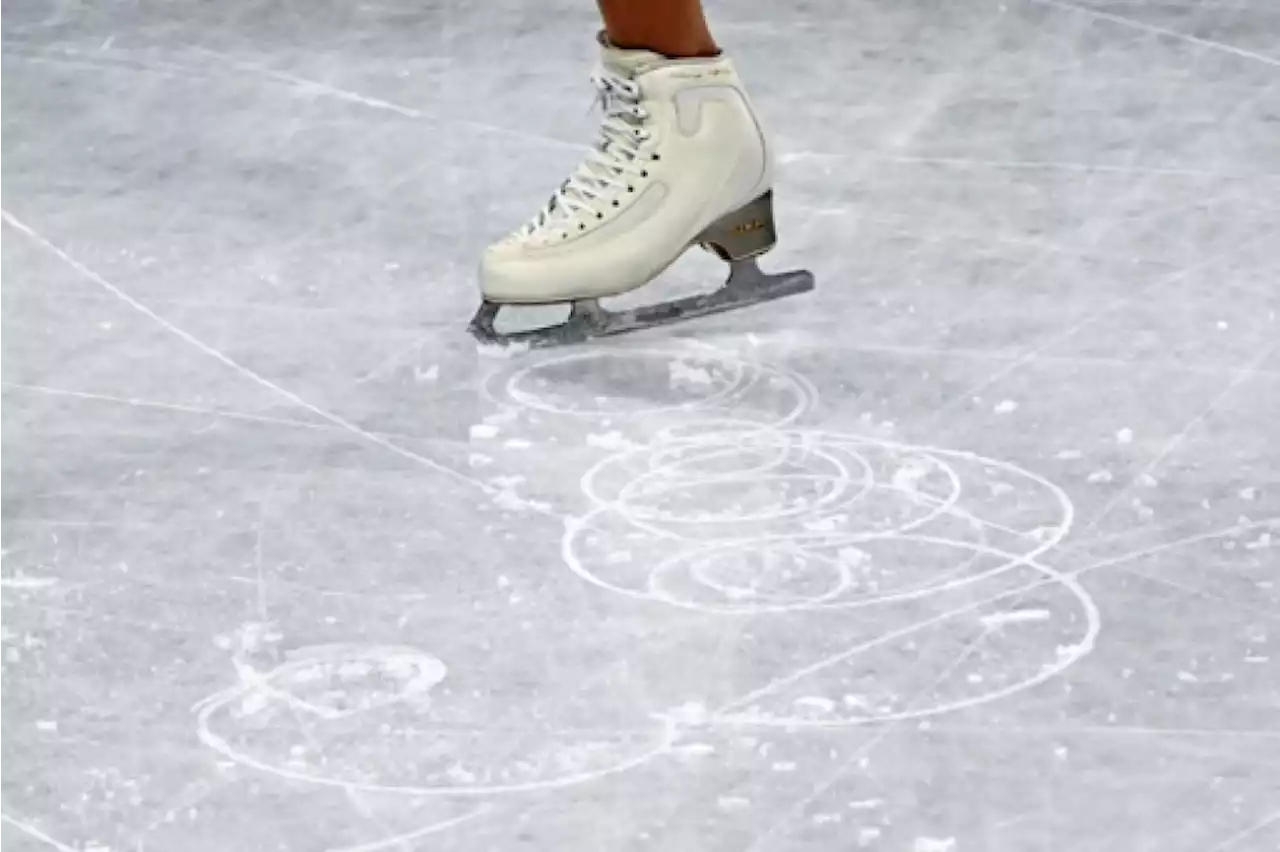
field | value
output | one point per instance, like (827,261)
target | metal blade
(747,285)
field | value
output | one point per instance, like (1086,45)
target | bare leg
(674,28)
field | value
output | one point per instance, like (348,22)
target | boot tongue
(627,62)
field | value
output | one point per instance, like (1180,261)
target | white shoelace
(609,167)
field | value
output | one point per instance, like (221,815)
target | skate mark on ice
(1233,842)
(708,378)
(58,13)
(1033,353)
(100,60)
(814,489)
(135,402)
(862,498)
(861,757)
(827,498)
(1089,233)
(794,341)
(182,800)
(222,413)
(239,368)
(1235,529)
(401,841)
(33,832)
(731,510)
(1152,29)
(1018,165)
(1067,655)
(344,716)
(1242,375)
(740,712)
(306,85)
(122,61)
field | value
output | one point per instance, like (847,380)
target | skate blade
(747,285)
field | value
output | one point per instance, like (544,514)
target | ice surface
(974,548)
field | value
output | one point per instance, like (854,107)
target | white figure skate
(680,160)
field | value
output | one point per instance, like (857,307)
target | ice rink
(976,548)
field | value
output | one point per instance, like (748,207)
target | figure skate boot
(680,160)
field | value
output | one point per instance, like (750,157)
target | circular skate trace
(848,505)
(670,469)
(707,378)
(392,738)
(744,711)
(801,520)
(727,508)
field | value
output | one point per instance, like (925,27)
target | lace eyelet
(617,203)
(656,157)
(599,215)
(644,173)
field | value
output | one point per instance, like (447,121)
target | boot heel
(747,232)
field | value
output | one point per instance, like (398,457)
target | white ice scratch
(316,87)
(1241,376)
(218,355)
(167,406)
(1233,840)
(32,831)
(407,837)
(861,755)
(1152,29)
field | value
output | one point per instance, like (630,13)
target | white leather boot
(680,160)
